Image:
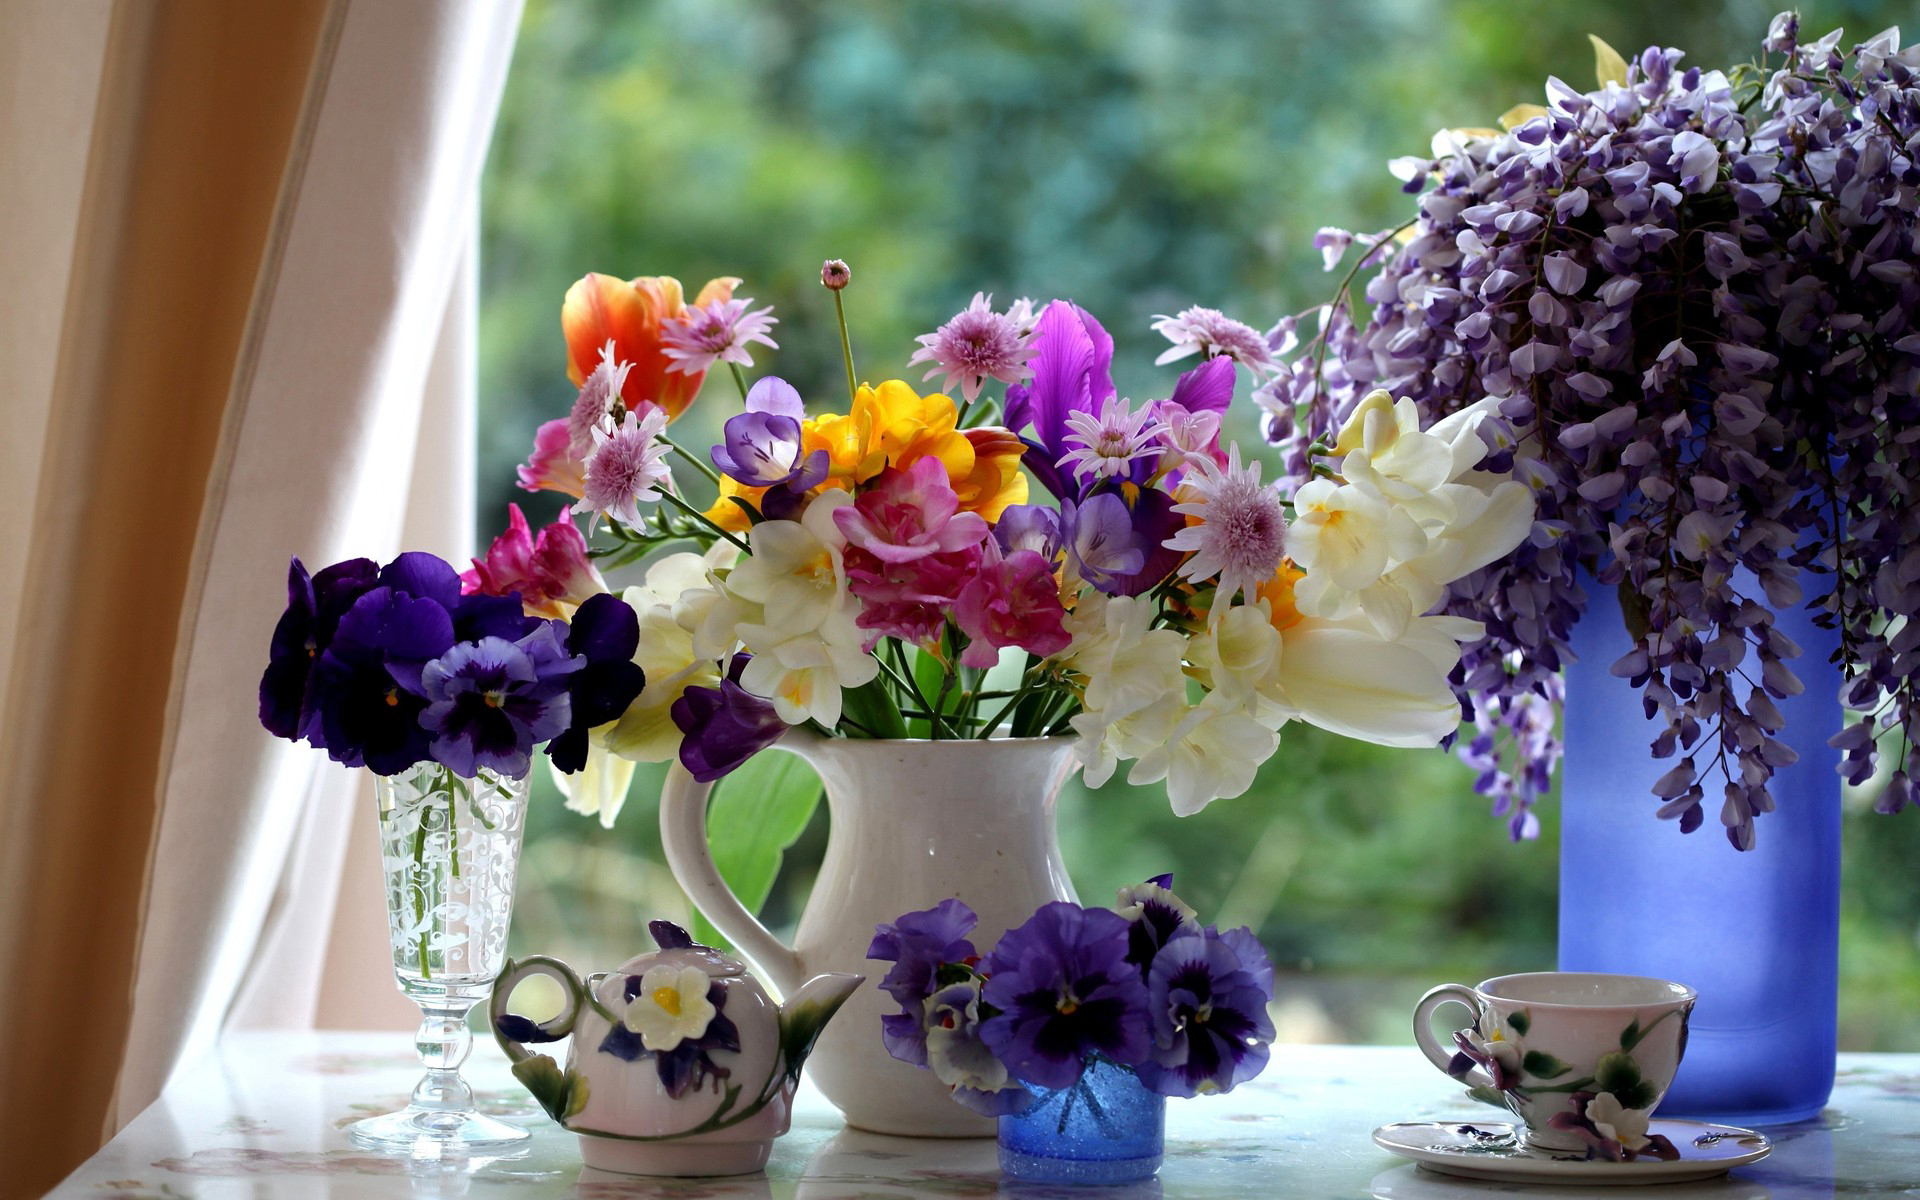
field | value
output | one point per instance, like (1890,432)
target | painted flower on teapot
(680,1063)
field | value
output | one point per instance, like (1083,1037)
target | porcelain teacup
(1581,1058)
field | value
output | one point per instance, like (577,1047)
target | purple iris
(315,605)
(762,447)
(605,632)
(689,1064)
(1072,372)
(918,945)
(1208,994)
(1206,388)
(724,726)
(1034,527)
(1065,990)
(490,701)
(1101,541)
(363,713)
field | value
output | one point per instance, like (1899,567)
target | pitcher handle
(683,835)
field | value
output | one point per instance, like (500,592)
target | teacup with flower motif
(1581,1058)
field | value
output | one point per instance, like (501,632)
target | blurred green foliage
(1137,157)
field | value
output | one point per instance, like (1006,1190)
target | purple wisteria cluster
(1695,298)
(388,667)
(1144,985)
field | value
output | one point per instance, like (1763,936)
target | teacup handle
(1437,1054)
(511,1031)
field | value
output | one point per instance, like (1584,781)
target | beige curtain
(237,239)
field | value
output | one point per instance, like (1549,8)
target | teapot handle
(683,835)
(511,1031)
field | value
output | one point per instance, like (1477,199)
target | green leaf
(754,516)
(1619,1074)
(1520,1022)
(1634,610)
(1541,1065)
(872,707)
(756,813)
(541,1076)
(1630,1036)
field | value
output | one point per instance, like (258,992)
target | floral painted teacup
(1581,1058)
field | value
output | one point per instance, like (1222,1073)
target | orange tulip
(600,307)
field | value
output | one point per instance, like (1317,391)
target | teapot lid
(677,947)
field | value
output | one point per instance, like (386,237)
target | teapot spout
(807,1012)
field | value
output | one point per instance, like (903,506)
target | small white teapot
(680,1063)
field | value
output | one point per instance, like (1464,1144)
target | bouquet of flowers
(1693,295)
(1142,985)
(392,666)
(886,570)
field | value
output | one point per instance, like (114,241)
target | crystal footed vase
(1107,1128)
(913,823)
(449,848)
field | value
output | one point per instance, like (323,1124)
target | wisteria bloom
(1065,990)
(718,331)
(626,467)
(1212,333)
(1207,1005)
(552,467)
(979,344)
(551,573)
(1109,445)
(489,702)
(595,402)
(1241,535)
(1011,600)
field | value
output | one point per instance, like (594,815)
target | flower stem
(739,378)
(909,688)
(846,348)
(419,892)
(690,456)
(993,722)
(701,517)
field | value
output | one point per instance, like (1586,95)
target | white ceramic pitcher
(913,822)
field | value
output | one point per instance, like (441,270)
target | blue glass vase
(1757,933)
(1107,1128)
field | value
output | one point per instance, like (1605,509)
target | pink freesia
(908,515)
(910,600)
(551,572)
(1011,600)
(551,467)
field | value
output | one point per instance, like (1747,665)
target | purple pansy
(918,944)
(1154,916)
(724,726)
(961,1060)
(366,717)
(1207,1004)
(604,633)
(489,702)
(315,605)
(1065,990)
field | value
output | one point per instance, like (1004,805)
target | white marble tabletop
(264,1117)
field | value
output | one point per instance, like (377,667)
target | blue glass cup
(1107,1128)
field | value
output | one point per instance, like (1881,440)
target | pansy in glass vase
(1075,1028)
(445,696)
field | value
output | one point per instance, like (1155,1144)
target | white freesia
(600,787)
(1106,738)
(1237,658)
(1346,678)
(795,574)
(1127,664)
(672,1007)
(1211,754)
(672,604)
(805,675)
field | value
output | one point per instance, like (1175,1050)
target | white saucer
(1492,1150)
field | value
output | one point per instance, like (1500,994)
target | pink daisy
(1210,332)
(594,402)
(716,332)
(979,343)
(1107,445)
(1241,536)
(625,467)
